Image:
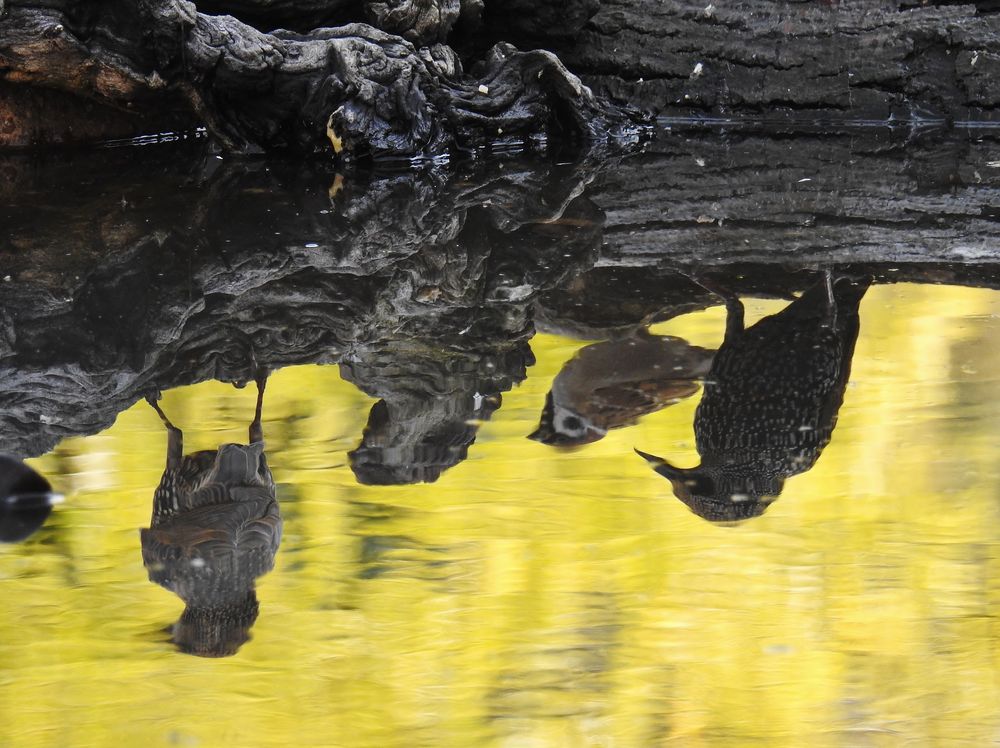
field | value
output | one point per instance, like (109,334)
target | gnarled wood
(352,90)
(195,275)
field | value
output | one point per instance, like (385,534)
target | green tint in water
(533,596)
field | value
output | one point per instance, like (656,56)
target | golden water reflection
(535,597)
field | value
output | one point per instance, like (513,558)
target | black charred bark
(353,90)
(794,64)
(427,77)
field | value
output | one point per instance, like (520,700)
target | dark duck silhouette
(26,500)
(215,528)
(771,401)
(612,384)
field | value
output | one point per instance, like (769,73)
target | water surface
(476,587)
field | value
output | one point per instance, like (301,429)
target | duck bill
(541,434)
(544,433)
(663,467)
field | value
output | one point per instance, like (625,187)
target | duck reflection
(771,400)
(26,500)
(609,385)
(215,528)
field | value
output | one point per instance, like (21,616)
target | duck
(215,528)
(771,400)
(26,500)
(611,384)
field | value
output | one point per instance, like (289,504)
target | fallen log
(435,77)
(351,91)
(794,65)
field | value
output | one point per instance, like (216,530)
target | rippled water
(443,580)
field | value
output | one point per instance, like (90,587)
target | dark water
(797,336)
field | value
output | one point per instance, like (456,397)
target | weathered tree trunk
(399,87)
(797,64)
(353,90)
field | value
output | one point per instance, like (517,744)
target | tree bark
(795,65)
(398,87)
(351,90)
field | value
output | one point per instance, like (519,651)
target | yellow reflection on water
(533,597)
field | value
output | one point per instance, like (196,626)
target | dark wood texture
(796,63)
(434,77)
(352,90)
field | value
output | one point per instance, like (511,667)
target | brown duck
(215,528)
(612,384)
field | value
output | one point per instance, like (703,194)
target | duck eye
(572,422)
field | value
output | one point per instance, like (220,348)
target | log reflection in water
(295,265)
(128,279)
(432,400)
(215,528)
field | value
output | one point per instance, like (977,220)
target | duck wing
(623,404)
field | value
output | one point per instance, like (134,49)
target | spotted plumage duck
(770,402)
